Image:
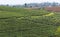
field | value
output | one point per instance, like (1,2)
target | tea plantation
(19,22)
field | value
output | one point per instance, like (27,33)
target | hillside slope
(15,22)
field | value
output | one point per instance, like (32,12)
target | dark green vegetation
(15,22)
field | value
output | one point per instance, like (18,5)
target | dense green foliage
(15,22)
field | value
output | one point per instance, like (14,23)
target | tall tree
(25,4)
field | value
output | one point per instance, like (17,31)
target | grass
(16,22)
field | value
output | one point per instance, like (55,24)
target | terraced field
(16,22)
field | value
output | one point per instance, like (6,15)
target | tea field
(19,22)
